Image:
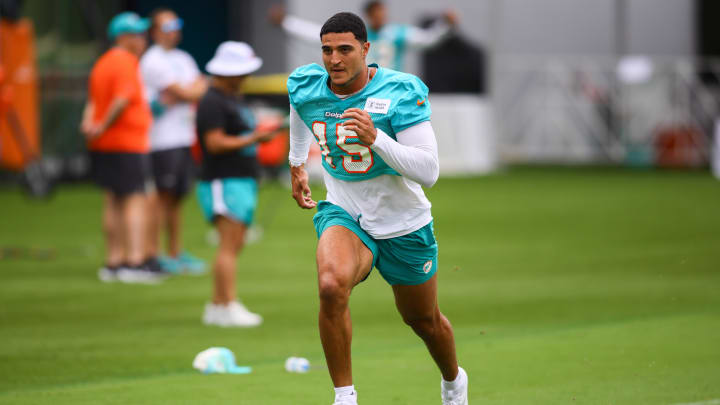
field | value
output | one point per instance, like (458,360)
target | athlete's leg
(419,309)
(113,230)
(343,261)
(170,205)
(134,218)
(154,224)
(232,238)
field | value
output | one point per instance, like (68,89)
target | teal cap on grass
(127,23)
(218,360)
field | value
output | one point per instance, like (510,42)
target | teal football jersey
(395,101)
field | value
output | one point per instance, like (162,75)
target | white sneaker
(210,314)
(232,314)
(107,275)
(457,396)
(346,399)
(139,275)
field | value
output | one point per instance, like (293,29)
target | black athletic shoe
(153,264)
(139,275)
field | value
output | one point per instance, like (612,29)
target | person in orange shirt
(116,123)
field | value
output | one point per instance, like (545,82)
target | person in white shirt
(173,83)
(390,41)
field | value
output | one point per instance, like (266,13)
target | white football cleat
(233,314)
(458,395)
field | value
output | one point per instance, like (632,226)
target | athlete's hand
(267,129)
(276,14)
(264,135)
(167,98)
(361,123)
(451,17)
(300,187)
(90,130)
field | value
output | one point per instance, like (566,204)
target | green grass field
(564,286)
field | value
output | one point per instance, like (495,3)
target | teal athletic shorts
(231,197)
(406,260)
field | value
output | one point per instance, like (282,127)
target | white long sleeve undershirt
(301,28)
(300,139)
(426,37)
(414,155)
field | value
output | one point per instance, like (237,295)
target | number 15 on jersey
(356,157)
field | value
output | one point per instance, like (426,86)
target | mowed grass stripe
(617,357)
(539,270)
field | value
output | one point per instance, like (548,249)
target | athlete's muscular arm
(414,155)
(300,187)
(303,29)
(426,37)
(188,93)
(92,130)
(86,125)
(300,139)
(217,141)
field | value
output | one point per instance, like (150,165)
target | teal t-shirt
(395,101)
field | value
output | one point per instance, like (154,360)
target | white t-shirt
(385,206)
(160,68)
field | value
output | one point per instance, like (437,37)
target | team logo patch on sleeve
(377,105)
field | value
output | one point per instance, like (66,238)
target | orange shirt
(117,74)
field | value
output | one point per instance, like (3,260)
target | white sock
(459,381)
(345,391)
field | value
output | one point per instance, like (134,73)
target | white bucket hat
(233,59)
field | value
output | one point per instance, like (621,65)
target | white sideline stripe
(708,402)
(218,203)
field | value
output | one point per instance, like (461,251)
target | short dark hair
(370,6)
(156,12)
(345,22)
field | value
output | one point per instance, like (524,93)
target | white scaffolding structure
(602,110)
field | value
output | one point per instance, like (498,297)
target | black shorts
(121,173)
(173,170)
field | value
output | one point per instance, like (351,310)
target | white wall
(661,27)
(555,27)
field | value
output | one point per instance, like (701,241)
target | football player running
(378,150)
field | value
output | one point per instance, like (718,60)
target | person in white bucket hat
(233,59)
(227,191)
